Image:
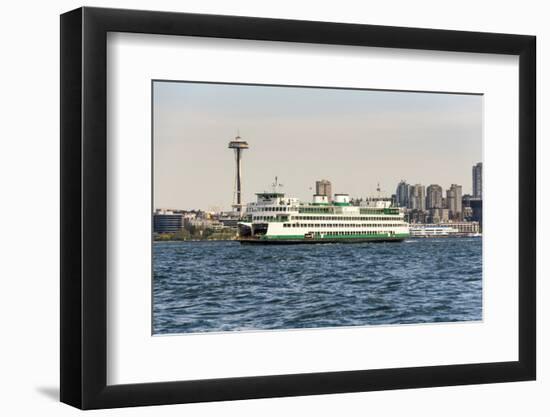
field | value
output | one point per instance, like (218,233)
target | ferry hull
(260,241)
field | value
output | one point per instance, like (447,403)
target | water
(220,286)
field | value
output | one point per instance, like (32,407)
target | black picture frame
(84,207)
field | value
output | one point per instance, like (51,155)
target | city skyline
(353,138)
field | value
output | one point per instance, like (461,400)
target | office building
(167,221)
(434,197)
(402,194)
(417,197)
(477,210)
(477,181)
(324,187)
(454,201)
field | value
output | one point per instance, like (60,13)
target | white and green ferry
(274,218)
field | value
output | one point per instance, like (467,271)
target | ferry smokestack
(238,145)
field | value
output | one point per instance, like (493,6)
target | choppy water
(219,286)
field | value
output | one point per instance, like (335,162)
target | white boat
(274,218)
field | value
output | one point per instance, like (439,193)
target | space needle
(238,145)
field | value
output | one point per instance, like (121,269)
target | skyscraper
(434,196)
(477,181)
(454,201)
(324,187)
(402,194)
(417,197)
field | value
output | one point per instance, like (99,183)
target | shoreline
(236,240)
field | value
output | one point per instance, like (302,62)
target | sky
(354,138)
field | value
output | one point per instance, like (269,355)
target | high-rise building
(417,197)
(402,194)
(454,201)
(477,210)
(324,187)
(434,197)
(477,181)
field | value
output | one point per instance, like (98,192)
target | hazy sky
(354,138)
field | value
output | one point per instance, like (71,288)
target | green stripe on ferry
(355,236)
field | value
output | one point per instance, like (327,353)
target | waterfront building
(466,228)
(434,197)
(324,187)
(205,223)
(166,221)
(454,201)
(402,194)
(456,229)
(228,219)
(417,197)
(477,180)
(432,230)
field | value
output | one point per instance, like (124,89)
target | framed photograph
(259,208)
